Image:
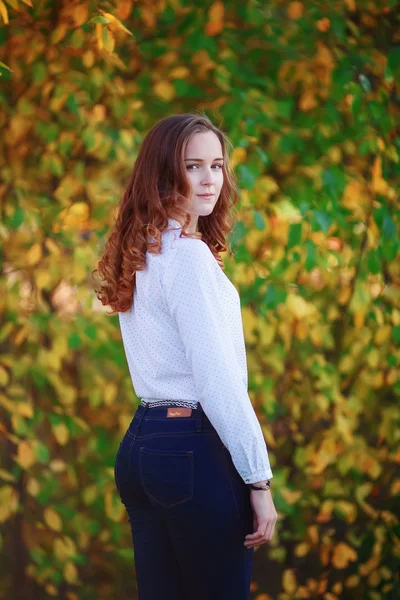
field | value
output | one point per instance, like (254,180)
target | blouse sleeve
(192,294)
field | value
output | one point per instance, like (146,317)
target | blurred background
(309,94)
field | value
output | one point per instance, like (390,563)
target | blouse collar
(174,224)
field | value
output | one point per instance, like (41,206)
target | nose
(208,177)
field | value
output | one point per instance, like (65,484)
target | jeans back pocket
(167,477)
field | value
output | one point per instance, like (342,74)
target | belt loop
(199,417)
(142,409)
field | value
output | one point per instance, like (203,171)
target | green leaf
(247,176)
(294,237)
(388,226)
(74,341)
(42,452)
(99,20)
(323,219)
(4,66)
(311,257)
(18,218)
(259,220)
(374,262)
(396,334)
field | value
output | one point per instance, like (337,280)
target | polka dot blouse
(183,340)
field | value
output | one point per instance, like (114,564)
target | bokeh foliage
(309,94)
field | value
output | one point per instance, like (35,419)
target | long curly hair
(158,189)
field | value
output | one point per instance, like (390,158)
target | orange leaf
(215,19)
(295,10)
(342,555)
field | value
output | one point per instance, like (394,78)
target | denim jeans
(188,508)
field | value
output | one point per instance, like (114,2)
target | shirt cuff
(259,476)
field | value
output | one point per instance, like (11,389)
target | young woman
(192,469)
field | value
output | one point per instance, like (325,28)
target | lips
(205,195)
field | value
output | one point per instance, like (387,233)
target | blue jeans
(188,508)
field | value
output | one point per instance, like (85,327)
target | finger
(259,533)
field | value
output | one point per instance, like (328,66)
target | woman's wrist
(263,485)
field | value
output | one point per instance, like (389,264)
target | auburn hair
(157,190)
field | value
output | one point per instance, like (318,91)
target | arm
(192,294)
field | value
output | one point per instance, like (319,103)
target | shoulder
(190,250)
(190,259)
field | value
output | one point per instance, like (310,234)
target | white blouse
(183,340)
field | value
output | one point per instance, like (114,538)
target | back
(157,361)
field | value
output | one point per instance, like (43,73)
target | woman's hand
(264,518)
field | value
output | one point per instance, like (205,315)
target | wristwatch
(265,486)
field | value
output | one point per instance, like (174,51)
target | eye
(188,167)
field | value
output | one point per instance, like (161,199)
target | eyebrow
(201,160)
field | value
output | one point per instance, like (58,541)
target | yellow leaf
(325,512)
(43,278)
(64,548)
(342,555)
(70,572)
(34,254)
(14,4)
(291,496)
(373,358)
(179,73)
(25,409)
(6,475)
(383,334)
(110,392)
(8,502)
(299,307)
(115,24)
(25,454)
(57,465)
(4,376)
(289,581)
(359,318)
(308,100)
(352,581)
(369,465)
(113,506)
(99,35)
(33,486)
(90,494)
(3,12)
(61,433)
(164,90)
(88,59)
(351,5)
(52,519)
(302,549)
(108,40)
(80,14)
(59,33)
(249,324)
(378,184)
(51,589)
(348,509)
(148,15)
(28,3)
(238,156)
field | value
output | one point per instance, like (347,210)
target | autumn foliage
(309,94)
